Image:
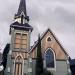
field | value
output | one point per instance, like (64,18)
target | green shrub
(47,73)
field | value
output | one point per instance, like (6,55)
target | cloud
(59,15)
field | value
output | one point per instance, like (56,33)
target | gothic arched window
(49,58)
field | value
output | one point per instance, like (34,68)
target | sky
(58,15)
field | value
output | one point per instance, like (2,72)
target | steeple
(22,10)
(21,19)
(22,7)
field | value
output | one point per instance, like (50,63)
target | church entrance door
(18,69)
(18,66)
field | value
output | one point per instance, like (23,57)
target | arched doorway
(18,65)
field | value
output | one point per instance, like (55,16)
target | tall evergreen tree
(5,54)
(39,60)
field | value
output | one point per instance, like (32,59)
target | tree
(5,53)
(46,72)
(39,60)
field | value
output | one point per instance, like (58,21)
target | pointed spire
(22,8)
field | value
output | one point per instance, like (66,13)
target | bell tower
(20,32)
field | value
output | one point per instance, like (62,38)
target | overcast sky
(58,15)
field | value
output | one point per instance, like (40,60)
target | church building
(22,57)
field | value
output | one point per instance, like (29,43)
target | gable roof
(42,36)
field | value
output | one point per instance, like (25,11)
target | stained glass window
(49,59)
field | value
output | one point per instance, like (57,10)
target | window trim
(54,60)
